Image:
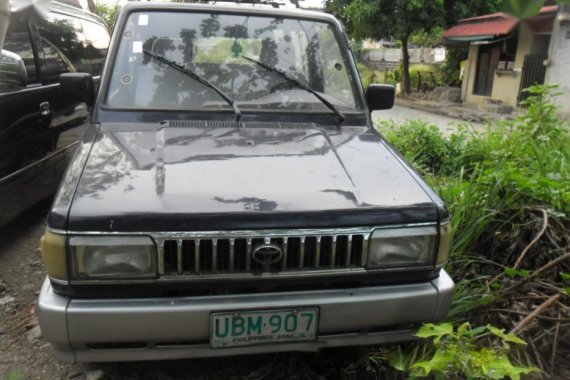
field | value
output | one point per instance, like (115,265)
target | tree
(389,18)
(109,13)
(458,9)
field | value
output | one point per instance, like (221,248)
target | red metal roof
(485,17)
(489,26)
(494,28)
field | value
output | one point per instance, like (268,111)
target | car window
(97,43)
(66,34)
(18,45)
(53,62)
(215,46)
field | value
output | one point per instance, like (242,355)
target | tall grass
(494,182)
(485,177)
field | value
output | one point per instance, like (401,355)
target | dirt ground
(24,355)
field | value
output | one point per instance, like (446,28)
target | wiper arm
(177,66)
(297,83)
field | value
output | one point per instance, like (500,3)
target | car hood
(163,178)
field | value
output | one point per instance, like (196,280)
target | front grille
(207,255)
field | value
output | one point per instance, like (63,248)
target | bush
(508,191)
(462,352)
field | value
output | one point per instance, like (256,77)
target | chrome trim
(179,256)
(173,235)
(302,253)
(214,255)
(365,243)
(58,281)
(285,247)
(160,249)
(333,251)
(291,269)
(349,250)
(239,276)
(232,258)
(318,251)
(197,256)
(249,252)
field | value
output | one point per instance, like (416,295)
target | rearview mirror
(78,87)
(13,74)
(380,96)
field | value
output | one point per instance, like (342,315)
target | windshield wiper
(193,75)
(297,83)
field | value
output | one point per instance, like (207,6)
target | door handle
(45,109)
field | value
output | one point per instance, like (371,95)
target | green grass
(494,183)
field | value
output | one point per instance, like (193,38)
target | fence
(390,57)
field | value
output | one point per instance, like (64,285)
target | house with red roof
(507,54)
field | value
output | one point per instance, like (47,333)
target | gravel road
(400,114)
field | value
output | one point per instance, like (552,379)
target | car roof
(258,9)
(61,8)
(58,7)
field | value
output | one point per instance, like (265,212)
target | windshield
(216,48)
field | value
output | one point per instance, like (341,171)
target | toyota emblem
(267,254)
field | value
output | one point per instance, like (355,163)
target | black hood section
(195,176)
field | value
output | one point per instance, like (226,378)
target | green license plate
(249,328)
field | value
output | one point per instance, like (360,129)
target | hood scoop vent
(233,124)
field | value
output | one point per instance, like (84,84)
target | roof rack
(273,3)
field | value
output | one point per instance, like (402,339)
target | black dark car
(37,123)
(231,196)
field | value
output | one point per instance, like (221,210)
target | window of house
(508,54)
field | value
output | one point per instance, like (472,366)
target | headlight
(444,242)
(112,257)
(53,255)
(397,247)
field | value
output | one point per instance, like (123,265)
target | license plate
(249,328)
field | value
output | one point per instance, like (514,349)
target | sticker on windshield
(137,46)
(143,19)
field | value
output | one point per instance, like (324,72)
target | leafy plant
(420,142)
(108,12)
(472,353)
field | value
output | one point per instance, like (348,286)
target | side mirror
(13,74)
(78,87)
(380,96)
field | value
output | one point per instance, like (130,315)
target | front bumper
(100,330)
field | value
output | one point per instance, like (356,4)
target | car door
(26,139)
(25,116)
(61,48)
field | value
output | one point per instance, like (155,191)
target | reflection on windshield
(214,50)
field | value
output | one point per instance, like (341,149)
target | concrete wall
(469,72)
(419,55)
(558,71)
